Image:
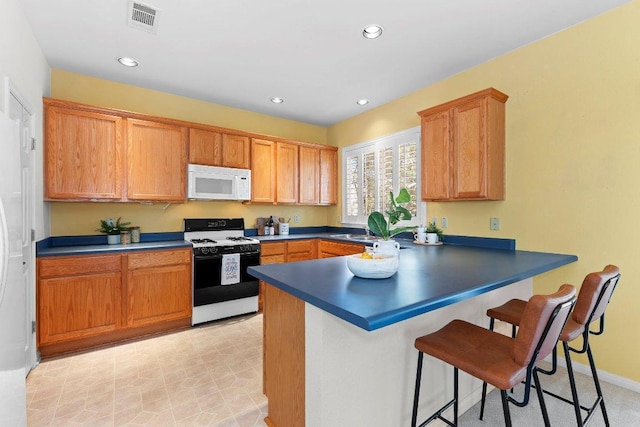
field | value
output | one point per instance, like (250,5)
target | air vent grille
(143,16)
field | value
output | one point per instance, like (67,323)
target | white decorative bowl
(380,267)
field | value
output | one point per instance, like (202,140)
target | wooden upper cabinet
(156,161)
(309,189)
(463,148)
(208,147)
(205,147)
(328,176)
(263,171)
(235,151)
(83,154)
(286,172)
(436,156)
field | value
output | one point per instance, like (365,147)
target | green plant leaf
(403,197)
(378,225)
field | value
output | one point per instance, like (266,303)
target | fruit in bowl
(372,266)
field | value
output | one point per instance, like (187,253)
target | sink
(357,237)
(363,237)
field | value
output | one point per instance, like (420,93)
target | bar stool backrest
(542,321)
(595,294)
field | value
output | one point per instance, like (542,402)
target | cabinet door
(286,173)
(78,297)
(205,147)
(83,155)
(469,150)
(328,176)
(302,250)
(158,294)
(309,175)
(436,163)
(157,161)
(235,151)
(263,171)
(79,306)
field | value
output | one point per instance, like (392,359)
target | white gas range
(221,255)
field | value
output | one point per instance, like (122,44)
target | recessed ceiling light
(128,62)
(277,100)
(372,31)
(362,101)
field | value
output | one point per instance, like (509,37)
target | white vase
(387,247)
(113,239)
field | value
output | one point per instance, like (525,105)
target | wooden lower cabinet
(329,248)
(89,300)
(158,287)
(78,297)
(302,250)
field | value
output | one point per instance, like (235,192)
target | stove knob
(213,250)
(204,251)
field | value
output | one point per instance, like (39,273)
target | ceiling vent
(143,16)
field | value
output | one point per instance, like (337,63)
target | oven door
(207,273)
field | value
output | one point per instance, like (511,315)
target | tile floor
(210,375)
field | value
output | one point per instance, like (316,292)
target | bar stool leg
(455,396)
(505,408)
(572,383)
(416,393)
(539,391)
(596,381)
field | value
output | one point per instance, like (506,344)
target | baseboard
(605,376)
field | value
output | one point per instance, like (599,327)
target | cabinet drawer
(159,258)
(74,265)
(300,246)
(272,259)
(276,248)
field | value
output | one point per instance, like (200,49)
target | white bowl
(380,267)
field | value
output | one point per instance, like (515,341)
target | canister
(135,234)
(125,237)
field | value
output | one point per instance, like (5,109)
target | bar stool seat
(495,358)
(593,298)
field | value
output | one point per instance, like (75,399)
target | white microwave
(218,183)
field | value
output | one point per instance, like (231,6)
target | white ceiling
(241,53)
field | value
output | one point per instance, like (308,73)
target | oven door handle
(206,257)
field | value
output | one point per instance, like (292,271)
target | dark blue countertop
(429,277)
(88,245)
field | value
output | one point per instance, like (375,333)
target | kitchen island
(338,350)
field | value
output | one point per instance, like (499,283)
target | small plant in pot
(436,233)
(396,212)
(112,229)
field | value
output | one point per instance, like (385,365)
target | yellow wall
(573,149)
(68,219)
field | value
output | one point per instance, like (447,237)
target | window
(373,169)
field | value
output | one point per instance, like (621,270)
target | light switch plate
(494,223)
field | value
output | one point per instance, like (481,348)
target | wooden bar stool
(593,299)
(496,358)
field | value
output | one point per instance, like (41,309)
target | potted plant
(396,212)
(112,229)
(434,234)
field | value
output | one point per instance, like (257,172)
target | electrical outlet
(338,219)
(296,218)
(494,223)
(444,222)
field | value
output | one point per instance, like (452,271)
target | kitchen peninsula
(338,349)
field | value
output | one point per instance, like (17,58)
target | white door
(18,112)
